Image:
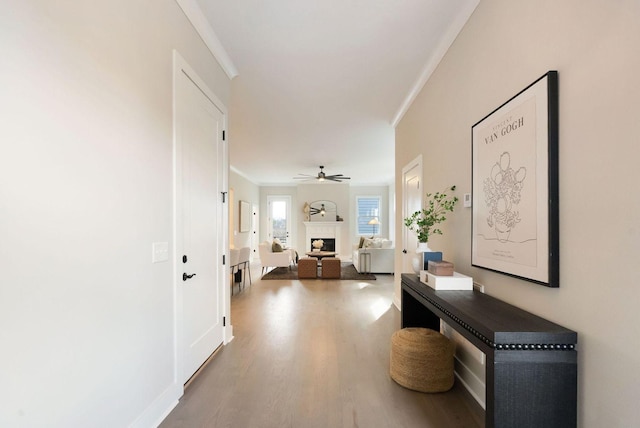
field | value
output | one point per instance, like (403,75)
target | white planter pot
(416,262)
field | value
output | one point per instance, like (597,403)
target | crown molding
(197,18)
(445,43)
(242,174)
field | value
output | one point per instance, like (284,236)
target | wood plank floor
(314,353)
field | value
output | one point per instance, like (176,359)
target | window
(368,218)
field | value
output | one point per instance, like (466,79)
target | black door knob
(185,276)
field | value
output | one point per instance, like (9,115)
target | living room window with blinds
(368,209)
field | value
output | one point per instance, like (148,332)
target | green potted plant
(424,223)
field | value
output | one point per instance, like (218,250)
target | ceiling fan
(322,176)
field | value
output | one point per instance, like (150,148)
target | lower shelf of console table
(531,363)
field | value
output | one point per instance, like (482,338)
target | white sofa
(376,256)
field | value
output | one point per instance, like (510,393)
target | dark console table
(531,371)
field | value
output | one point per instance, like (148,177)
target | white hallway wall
(86,187)
(594,45)
(243,190)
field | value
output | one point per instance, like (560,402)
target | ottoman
(422,360)
(307,268)
(330,268)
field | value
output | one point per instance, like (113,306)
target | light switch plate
(466,200)
(159,252)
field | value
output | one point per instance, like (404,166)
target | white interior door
(411,202)
(279,225)
(199,125)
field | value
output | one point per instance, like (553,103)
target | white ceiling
(324,82)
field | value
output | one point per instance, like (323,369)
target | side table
(364,261)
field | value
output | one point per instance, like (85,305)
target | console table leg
(530,389)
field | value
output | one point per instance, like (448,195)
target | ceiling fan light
(321,176)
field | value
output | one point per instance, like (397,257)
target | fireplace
(329,243)
(328,231)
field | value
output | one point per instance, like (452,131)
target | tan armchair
(270,259)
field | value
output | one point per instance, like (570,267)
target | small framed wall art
(245,216)
(515,185)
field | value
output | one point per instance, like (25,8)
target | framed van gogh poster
(515,186)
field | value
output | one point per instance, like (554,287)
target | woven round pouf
(422,360)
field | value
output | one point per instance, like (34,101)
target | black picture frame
(515,214)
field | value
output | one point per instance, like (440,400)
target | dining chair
(244,263)
(234,261)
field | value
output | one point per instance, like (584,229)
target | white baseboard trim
(397,301)
(228,334)
(471,382)
(160,408)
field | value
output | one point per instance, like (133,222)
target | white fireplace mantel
(323,229)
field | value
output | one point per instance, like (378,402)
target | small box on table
(442,268)
(430,255)
(457,281)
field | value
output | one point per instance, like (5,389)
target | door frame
(255,230)
(413,167)
(290,230)
(181,66)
